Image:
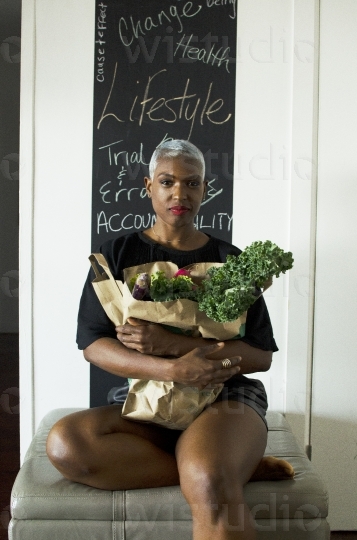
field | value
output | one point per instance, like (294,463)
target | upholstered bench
(46,506)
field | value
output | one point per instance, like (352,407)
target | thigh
(97,422)
(99,448)
(229,437)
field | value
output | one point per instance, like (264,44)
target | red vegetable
(182,272)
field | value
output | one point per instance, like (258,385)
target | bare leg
(99,448)
(216,457)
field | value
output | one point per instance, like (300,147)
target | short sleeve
(258,329)
(93,322)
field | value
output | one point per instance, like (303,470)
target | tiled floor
(9,425)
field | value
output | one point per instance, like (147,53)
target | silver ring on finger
(226,363)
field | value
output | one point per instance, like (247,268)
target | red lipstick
(179,210)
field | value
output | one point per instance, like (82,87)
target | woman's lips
(179,210)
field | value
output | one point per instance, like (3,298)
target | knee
(65,449)
(210,486)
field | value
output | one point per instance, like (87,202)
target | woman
(222,449)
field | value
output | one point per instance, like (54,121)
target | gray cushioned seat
(46,506)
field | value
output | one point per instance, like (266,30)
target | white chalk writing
(221,221)
(212,57)
(207,53)
(100,41)
(126,222)
(141,27)
(211,3)
(118,222)
(185,106)
(110,194)
(211,192)
(127,157)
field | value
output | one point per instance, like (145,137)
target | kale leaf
(163,289)
(229,290)
(232,288)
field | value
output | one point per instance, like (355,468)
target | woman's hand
(146,337)
(195,369)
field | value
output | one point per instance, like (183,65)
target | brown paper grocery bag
(169,404)
(118,303)
(107,289)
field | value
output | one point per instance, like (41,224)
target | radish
(182,272)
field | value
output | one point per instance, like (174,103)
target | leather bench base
(46,506)
(141,530)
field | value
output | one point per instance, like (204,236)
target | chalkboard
(163,69)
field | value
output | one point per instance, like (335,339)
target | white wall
(262,188)
(334,420)
(275,132)
(55,199)
(275,175)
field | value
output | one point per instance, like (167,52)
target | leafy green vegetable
(163,289)
(232,288)
(132,281)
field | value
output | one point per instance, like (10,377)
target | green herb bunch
(163,289)
(232,288)
(229,290)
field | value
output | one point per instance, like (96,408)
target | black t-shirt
(135,249)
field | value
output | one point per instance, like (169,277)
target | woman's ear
(148,183)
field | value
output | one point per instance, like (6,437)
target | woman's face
(176,189)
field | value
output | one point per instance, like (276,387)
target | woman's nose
(179,192)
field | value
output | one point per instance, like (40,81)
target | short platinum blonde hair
(173,149)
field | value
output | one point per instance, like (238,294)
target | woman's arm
(194,368)
(156,340)
(253,359)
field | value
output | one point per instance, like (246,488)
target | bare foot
(272,468)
